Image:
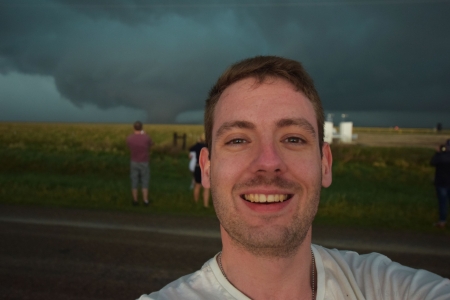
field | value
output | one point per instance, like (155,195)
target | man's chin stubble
(280,243)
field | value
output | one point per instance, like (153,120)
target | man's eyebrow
(235,124)
(300,122)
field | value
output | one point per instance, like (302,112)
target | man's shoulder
(360,264)
(192,286)
(182,288)
(375,274)
(206,283)
(335,258)
(138,137)
(441,158)
(446,156)
(193,147)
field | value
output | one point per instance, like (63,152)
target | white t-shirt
(193,161)
(340,275)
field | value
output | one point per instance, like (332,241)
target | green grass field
(86,166)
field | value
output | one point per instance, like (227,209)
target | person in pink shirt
(139,143)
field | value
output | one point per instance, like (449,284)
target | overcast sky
(384,63)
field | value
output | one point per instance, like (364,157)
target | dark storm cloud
(163,56)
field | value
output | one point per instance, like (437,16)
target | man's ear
(205,166)
(327,162)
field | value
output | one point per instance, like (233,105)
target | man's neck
(266,277)
(138,132)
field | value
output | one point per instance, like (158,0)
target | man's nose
(268,159)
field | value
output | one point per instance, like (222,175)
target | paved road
(49,253)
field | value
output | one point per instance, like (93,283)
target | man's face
(266,170)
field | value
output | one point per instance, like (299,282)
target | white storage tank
(328,132)
(345,132)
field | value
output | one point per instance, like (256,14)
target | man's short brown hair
(261,68)
(137,125)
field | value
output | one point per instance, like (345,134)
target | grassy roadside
(93,181)
(87,167)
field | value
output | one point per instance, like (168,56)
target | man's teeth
(261,198)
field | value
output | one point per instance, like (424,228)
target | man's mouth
(263,198)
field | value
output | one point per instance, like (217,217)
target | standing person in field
(197,172)
(139,143)
(266,163)
(441,161)
(192,163)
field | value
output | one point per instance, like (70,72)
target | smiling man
(265,164)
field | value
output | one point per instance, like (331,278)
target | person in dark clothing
(441,161)
(197,172)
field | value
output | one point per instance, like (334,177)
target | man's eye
(293,140)
(236,141)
